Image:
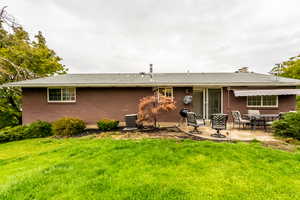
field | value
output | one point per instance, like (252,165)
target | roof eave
(149,84)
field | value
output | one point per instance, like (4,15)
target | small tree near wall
(152,106)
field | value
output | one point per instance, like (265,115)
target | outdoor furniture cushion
(200,121)
(253,112)
(269,123)
(244,121)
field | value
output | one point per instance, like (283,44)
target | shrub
(107,124)
(33,130)
(68,126)
(4,137)
(8,134)
(38,129)
(289,126)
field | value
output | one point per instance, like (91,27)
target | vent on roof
(150,74)
(243,70)
(151,69)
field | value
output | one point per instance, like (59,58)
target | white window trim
(69,101)
(172,91)
(261,103)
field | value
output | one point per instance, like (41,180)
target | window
(262,101)
(168,92)
(254,101)
(269,100)
(61,95)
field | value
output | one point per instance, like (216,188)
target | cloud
(174,35)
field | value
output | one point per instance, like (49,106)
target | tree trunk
(155,122)
(15,106)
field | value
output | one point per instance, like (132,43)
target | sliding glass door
(198,102)
(214,101)
(207,101)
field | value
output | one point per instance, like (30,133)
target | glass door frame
(206,99)
(201,90)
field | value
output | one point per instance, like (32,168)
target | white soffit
(269,92)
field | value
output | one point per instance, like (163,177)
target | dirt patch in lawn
(164,133)
(282,145)
(176,133)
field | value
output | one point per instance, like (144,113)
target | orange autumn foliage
(151,106)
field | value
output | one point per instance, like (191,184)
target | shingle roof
(162,79)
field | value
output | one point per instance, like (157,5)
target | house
(112,95)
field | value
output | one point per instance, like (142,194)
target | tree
(289,68)
(151,106)
(21,59)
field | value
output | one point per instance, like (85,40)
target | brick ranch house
(91,97)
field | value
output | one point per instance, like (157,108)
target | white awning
(244,93)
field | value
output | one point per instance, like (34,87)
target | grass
(80,168)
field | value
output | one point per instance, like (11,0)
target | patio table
(261,119)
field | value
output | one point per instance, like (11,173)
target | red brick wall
(230,102)
(92,104)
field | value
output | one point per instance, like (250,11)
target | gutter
(146,85)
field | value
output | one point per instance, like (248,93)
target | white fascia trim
(150,85)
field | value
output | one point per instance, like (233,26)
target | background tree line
(289,69)
(21,58)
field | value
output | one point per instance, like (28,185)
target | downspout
(228,100)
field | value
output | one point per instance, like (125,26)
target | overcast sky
(174,35)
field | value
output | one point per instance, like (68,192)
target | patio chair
(269,123)
(281,115)
(194,121)
(219,122)
(237,119)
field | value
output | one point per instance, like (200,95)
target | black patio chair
(219,122)
(195,121)
(269,123)
(281,115)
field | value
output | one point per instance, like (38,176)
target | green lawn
(81,168)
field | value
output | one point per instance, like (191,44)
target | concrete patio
(232,134)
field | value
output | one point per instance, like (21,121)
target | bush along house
(91,97)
